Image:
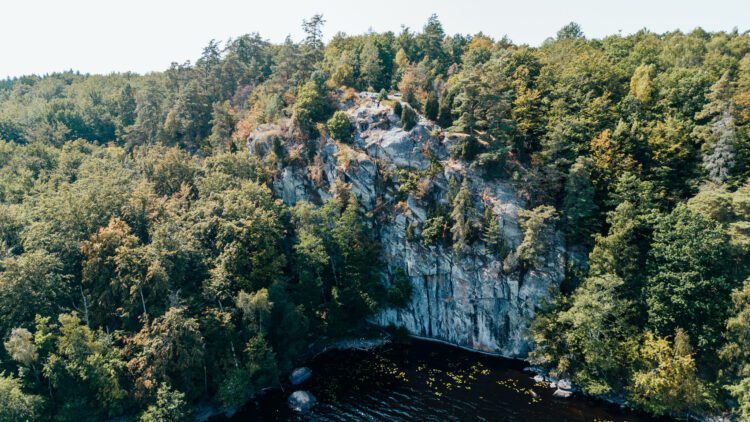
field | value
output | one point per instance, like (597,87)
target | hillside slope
(480,297)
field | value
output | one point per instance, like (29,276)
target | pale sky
(102,36)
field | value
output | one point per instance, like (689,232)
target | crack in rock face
(476,298)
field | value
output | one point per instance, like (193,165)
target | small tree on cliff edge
(340,126)
(408,117)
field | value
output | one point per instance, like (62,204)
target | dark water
(425,381)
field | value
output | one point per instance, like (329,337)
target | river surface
(427,381)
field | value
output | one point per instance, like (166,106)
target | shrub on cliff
(340,127)
(398,108)
(408,118)
(431,107)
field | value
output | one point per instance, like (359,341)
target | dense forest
(146,266)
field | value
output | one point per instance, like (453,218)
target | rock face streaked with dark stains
(476,299)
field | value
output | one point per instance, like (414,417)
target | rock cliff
(477,298)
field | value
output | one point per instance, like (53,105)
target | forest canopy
(146,265)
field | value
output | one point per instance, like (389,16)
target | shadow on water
(424,381)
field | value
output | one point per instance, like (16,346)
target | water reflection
(425,381)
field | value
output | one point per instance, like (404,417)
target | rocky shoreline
(301,400)
(564,388)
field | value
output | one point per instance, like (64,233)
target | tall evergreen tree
(463,226)
(579,208)
(718,134)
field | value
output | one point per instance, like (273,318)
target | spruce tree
(431,106)
(579,209)
(718,134)
(492,235)
(462,229)
(408,117)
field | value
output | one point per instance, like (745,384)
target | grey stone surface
(302,401)
(300,375)
(562,394)
(475,299)
(565,384)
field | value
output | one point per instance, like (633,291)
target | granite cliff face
(476,299)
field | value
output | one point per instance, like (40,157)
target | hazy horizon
(92,37)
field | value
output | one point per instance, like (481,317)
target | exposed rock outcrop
(562,394)
(300,375)
(302,401)
(478,298)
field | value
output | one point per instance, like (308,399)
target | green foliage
(741,392)
(84,370)
(492,233)
(311,106)
(128,199)
(431,106)
(467,148)
(170,406)
(436,231)
(538,229)
(689,287)
(187,122)
(579,206)
(398,109)
(169,349)
(260,371)
(463,230)
(339,264)
(483,107)
(570,31)
(719,134)
(401,289)
(736,353)
(341,127)
(623,250)
(15,404)
(596,327)
(34,279)
(408,117)
(371,66)
(641,85)
(668,384)
(383,95)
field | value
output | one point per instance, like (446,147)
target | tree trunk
(143,301)
(85,306)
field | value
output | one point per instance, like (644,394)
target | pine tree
(578,205)
(371,67)
(149,115)
(538,230)
(483,107)
(718,134)
(126,106)
(492,235)
(571,31)
(312,47)
(222,126)
(445,114)
(408,117)
(462,229)
(431,106)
